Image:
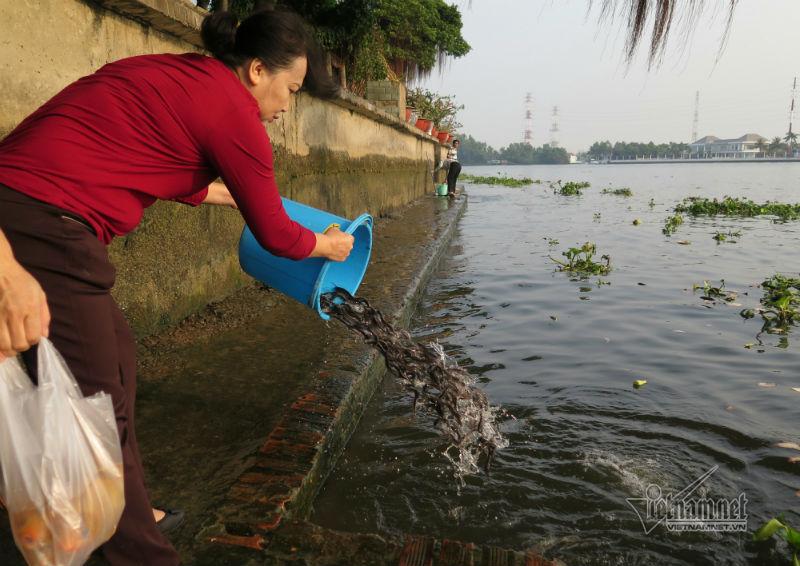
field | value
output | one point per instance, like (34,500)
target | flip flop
(172,519)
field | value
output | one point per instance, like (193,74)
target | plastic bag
(60,462)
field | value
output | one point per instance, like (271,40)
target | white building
(738,148)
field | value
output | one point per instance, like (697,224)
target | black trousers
(92,335)
(452,177)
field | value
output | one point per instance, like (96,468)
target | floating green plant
(787,533)
(551,241)
(734,206)
(652,203)
(580,261)
(623,192)
(505,181)
(712,293)
(597,216)
(570,188)
(671,224)
(780,304)
(723,236)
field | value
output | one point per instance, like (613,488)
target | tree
(761,146)
(790,138)
(775,144)
(474,152)
(525,154)
(419,33)
(377,39)
(632,150)
(660,16)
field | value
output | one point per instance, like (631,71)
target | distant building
(738,148)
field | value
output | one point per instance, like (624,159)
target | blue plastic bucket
(306,280)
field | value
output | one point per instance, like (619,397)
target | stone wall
(347,156)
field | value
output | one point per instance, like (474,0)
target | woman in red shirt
(83,167)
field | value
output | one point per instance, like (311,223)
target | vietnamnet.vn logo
(682,512)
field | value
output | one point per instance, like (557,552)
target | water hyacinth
(734,206)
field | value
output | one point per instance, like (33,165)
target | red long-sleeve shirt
(146,128)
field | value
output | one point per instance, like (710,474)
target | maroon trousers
(91,333)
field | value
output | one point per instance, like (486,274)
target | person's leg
(73,269)
(452,177)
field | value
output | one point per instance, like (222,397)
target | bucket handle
(333,226)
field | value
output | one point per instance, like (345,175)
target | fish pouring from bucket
(442,387)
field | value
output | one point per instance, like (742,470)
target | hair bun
(219,34)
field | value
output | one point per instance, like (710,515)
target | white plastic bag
(60,462)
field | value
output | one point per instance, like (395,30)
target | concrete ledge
(180,18)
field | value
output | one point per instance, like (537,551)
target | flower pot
(434,132)
(449,138)
(408,113)
(424,125)
(443,136)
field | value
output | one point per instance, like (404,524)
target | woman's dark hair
(457,141)
(275,37)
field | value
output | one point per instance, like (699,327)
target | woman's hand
(218,193)
(333,244)
(24,316)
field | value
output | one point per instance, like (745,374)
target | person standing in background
(454,170)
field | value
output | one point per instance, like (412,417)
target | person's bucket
(306,280)
(441,190)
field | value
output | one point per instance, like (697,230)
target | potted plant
(424,124)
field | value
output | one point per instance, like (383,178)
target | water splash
(439,385)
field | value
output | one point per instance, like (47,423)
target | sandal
(172,519)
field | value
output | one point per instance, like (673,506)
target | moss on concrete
(181,258)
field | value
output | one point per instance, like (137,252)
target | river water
(561,356)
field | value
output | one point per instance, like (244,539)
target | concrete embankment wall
(346,156)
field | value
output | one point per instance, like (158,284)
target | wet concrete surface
(239,407)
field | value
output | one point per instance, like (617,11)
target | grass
(734,206)
(580,261)
(505,181)
(570,188)
(623,192)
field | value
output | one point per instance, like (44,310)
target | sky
(563,56)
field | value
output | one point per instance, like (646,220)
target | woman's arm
(24,316)
(240,150)
(333,244)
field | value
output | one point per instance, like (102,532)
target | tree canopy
(474,152)
(377,39)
